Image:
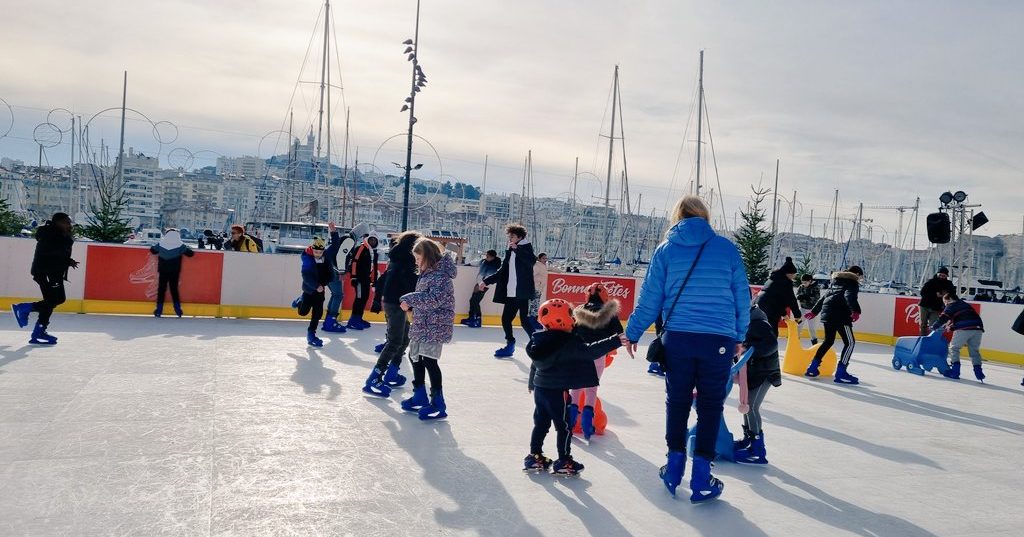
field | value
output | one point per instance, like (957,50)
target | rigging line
(622,135)
(714,160)
(682,146)
(597,146)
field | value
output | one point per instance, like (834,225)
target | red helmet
(597,290)
(556,314)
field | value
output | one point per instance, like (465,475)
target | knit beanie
(788,267)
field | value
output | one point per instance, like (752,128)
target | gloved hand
(376,306)
(809,315)
(855,316)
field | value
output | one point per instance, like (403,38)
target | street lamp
(419,80)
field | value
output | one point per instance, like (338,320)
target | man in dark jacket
(839,309)
(331,323)
(777,295)
(488,265)
(562,360)
(363,272)
(931,298)
(399,279)
(807,295)
(514,286)
(50,266)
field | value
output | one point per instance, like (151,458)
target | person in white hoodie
(540,284)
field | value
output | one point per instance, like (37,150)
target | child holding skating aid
(561,361)
(596,319)
(433,319)
(762,372)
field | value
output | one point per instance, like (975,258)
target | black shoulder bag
(656,352)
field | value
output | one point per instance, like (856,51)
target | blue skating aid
(921,353)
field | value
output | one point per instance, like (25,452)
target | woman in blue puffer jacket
(701,336)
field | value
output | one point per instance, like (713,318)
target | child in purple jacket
(433,318)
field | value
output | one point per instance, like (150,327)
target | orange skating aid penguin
(596,319)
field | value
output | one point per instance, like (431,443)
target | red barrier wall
(120,273)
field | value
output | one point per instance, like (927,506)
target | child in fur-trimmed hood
(596,319)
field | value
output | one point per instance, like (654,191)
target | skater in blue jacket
(316,275)
(965,323)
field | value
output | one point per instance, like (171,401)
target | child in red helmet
(596,319)
(561,361)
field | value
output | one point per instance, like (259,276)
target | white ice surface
(141,426)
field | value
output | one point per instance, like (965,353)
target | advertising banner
(907,318)
(571,287)
(127,273)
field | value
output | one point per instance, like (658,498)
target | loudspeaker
(979,220)
(939,228)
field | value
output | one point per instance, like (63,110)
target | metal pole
(700,115)
(483,191)
(120,151)
(412,120)
(611,151)
(344,178)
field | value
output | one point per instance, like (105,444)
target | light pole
(419,80)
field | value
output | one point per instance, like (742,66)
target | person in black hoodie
(50,266)
(363,273)
(399,279)
(763,372)
(931,306)
(839,309)
(515,286)
(777,295)
(562,361)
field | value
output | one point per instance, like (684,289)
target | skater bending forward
(839,309)
(316,275)
(967,329)
(433,318)
(561,361)
(763,372)
(50,270)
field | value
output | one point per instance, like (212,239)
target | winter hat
(596,294)
(856,270)
(788,267)
(943,270)
(238,228)
(318,243)
(556,314)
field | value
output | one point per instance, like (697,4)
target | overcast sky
(884,101)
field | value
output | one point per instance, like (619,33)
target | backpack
(258,241)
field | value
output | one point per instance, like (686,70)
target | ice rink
(143,426)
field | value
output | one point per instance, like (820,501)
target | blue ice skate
(331,325)
(507,351)
(379,347)
(754,453)
(572,413)
(297,302)
(672,473)
(375,385)
(587,422)
(417,401)
(703,485)
(436,410)
(393,378)
(312,340)
(655,369)
(21,312)
(40,337)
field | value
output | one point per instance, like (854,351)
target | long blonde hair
(689,206)
(430,253)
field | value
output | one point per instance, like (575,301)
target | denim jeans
(700,361)
(337,295)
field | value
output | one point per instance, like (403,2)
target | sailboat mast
(611,152)
(344,177)
(323,84)
(572,213)
(700,115)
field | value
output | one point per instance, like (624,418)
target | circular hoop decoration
(60,116)
(6,126)
(165,132)
(440,166)
(180,158)
(47,135)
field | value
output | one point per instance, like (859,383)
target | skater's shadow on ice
(932,376)
(10,354)
(598,520)
(715,518)
(776,486)
(617,413)
(922,408)
(901,456)
(484,506)
(311,374)
(344,352)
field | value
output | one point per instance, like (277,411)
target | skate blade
(376,395)
(534,471)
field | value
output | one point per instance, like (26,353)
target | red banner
(907,317)
(129,273)
(571,287)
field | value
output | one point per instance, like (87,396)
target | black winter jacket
(930,293)
(776,296)
(53,252)
(525,258)
(764,363)
(401,274)
(363,268)
(596,320)
(563,361)
(839,302)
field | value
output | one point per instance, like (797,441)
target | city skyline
(871,97)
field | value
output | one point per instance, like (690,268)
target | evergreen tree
(11,223)
(107,222)
(805,265)
(754,240)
